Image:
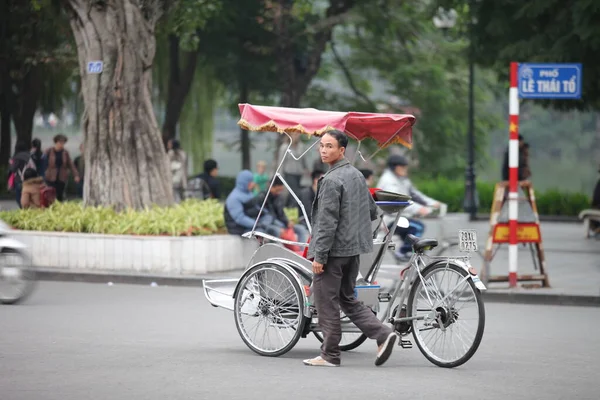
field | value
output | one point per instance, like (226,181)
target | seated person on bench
(273,219)
(239,210)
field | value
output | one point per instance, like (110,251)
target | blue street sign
(550,81)
(94,67)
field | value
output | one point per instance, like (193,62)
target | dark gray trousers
(334,289)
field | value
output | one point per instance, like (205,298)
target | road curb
(547,299)
(131,279)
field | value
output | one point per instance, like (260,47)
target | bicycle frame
(414,271)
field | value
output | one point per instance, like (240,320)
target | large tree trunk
(30,88)
(5,138)
(126,162)
(179,86)
(5,89)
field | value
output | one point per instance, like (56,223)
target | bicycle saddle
(420,245)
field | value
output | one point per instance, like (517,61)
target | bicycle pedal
(405,343)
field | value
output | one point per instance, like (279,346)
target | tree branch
(325,24)
(336,8)
(349,79)
(174,70)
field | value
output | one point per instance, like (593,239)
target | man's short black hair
(340,136)
(367,173)
(316,174)
(277,181)
(209,165)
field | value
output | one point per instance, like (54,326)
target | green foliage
(292,214)
(190,218)
(539,31)
(425,73)
(40,53)
(197,117)
(555,202)
(187,17)
(239,45)
(550,202)
(227,185)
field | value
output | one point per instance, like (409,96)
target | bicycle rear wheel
(451,312)
(268,310)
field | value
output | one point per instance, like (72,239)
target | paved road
(94,341)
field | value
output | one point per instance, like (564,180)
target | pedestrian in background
(20,161)
(57,166)
(261,178)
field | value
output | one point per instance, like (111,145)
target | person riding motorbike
(395,179)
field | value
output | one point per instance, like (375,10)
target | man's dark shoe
(385,350)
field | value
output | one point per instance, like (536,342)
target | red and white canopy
(386,129)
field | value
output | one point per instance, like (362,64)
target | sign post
(549,81)
(531,81)
(513,174)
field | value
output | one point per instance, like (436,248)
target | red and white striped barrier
(513,164)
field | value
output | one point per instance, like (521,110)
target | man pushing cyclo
(342,213)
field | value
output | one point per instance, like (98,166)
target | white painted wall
(137,254)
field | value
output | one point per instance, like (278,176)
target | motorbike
(17,276)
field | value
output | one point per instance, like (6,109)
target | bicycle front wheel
(449,312)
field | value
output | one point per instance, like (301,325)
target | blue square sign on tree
(550,81)
(95,67)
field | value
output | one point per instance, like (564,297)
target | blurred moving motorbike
(17,277)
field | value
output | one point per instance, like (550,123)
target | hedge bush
(190,218)
(550,202)
(194,217)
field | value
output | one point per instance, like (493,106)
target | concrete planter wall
(137,254)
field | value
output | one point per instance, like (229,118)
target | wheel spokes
(451,333)
(269,311)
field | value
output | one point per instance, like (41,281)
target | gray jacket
(341,215)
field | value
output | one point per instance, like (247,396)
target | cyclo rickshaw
(437,299)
